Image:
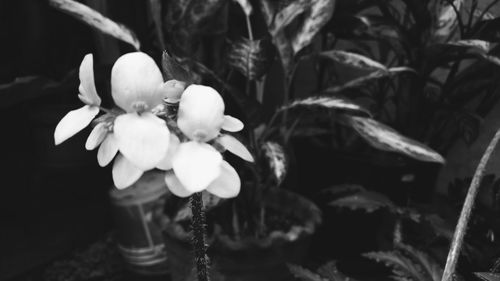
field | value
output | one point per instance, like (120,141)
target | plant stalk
(199,237)
(458,236)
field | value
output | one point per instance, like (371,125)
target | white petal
(143,139)
(166,162)
(75,121)
(96,136)
(228,184)
(107,150)
(125,173)
(196,165)
(87,85)
(175,186)
(136,79)
(201,113)
(236,147)
(232,124)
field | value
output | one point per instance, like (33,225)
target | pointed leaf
(125,173)
(252,58)
(354,60)
(96,136)
(175,186)
(234,146)
(143,139)
(73,122)
(246,6)
(196,165)
(316,17)
(96,20)
(88,92)
(232,124)
(386,138)
(227,184)
(277,160)
(480,45)
(366,200)
(488,276)
(326,102)
(107,150)
(172,69)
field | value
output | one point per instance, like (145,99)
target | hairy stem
(461,229)
(199,237)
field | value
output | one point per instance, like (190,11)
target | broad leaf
(354,60)
(385,138)
(316,17)
(446,19)
(488,276)
(251,58)
(277,160)
(326,102)
(96,20)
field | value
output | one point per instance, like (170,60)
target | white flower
(141,138)
(198,166)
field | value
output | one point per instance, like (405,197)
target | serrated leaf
(408,263)
(354,60)
(316,17)
(367,201)
(488,276)
(304,274)
(326,102)
(277,160)
(96,20)
(385,138)
(331,272)
(245,6)
(251,58)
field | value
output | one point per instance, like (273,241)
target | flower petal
(196,165)
(201,113)
(236,147)
(73,122)
(228,184)
(96,136)
(135,82)
(166,162)
(125,173)
(107,150)
(175,186)
(232,124)
(88,92)
(143,139)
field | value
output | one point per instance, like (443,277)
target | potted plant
(173,124)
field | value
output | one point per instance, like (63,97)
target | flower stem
(458,236)
(199,237)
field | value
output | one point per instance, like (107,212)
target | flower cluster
(139,138)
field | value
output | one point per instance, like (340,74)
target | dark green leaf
(245,6)
(488,276)
(354,60)
(315,18)
(385,138)
(172,69)
(96,20)
(328,103)
(277,160)
(251,58)
(367,201)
